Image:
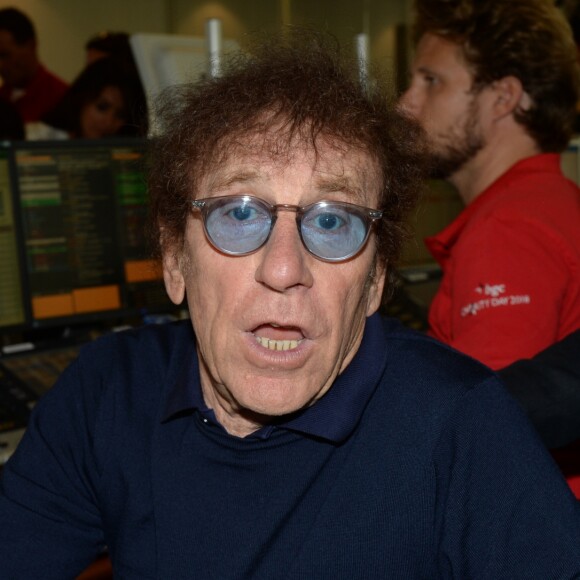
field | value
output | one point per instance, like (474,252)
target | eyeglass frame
(368,215)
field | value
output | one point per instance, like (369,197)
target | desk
(100,569)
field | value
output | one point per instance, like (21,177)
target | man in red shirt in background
(27,84)
(495,85)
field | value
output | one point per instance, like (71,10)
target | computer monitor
(12,306)
(164,60)
(570,160)
(82,208)
(439,205)
(421,275)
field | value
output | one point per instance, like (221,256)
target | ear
(173,276)
(509,95)
(376,285)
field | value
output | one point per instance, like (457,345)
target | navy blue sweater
(427,469)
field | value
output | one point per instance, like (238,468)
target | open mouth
(275,337)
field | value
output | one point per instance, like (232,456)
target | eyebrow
(322,184)
(342,184)
(426,70)
(228,178)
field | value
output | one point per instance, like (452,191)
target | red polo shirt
(43,92)
(511,266)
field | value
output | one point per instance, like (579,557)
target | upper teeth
(277,344)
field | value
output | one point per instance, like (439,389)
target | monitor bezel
(106,317)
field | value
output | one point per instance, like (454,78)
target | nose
(409,101)
(284,263)
(111,124)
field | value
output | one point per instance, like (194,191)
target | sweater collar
(333,417)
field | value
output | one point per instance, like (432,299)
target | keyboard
(39,370)
(16,401)
(8,443)
(420,273)
(24,378)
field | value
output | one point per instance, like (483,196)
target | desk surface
(100,569)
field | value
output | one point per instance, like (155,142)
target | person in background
(286,429)
(495,85)
(11,125)
(100,103)
(548,388)
(26,83)
(105,44)
(116,46)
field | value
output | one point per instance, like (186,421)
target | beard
(450,151)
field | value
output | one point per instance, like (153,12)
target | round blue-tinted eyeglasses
(332,231)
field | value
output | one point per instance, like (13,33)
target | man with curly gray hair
(286,430)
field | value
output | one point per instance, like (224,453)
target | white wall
(344,18)
(380,19)
(64,26)
(238,16)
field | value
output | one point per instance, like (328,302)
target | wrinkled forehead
(327,162)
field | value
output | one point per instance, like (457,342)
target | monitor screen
(12,306)
(82,207)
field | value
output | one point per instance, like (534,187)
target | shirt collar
(333,417)
(440,245)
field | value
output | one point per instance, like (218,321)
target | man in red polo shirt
(495,86)
(26,82)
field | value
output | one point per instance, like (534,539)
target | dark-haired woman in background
(105,100)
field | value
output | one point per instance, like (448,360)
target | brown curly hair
(299,86)
(528,39)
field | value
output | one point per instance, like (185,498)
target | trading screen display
(142,275)
(83,209)
(12,308)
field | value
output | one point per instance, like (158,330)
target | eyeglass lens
(242,224)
